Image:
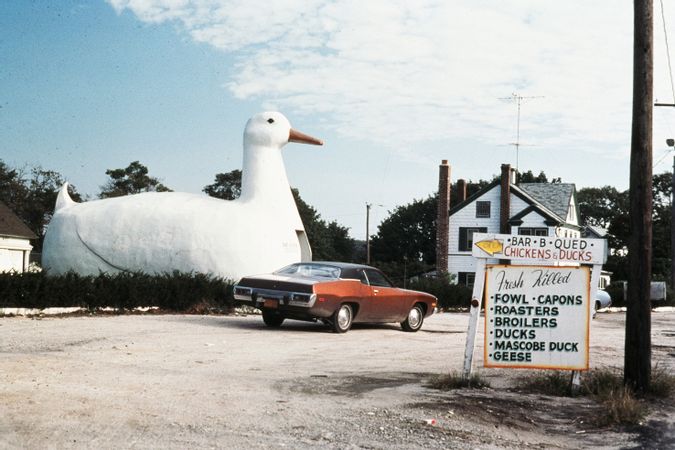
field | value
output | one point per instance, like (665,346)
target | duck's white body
(163,232)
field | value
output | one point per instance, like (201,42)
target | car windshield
(310,270)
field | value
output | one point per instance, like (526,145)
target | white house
(15,239)
(534,209)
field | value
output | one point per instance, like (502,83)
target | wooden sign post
(537,313)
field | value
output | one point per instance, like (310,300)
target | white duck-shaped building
(163,232)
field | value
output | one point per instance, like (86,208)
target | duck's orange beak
(296,136)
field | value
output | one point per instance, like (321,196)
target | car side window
(376,278)
(362,276)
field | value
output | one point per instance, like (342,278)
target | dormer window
(483,209)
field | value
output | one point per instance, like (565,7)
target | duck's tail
(63,199)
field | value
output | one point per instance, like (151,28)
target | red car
(338,294)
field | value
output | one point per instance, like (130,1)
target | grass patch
(556,383)
(601,383)
(621,407)
(456,380)
(620,404)
(662,384)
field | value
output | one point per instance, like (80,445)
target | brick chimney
(443,218)
(461,190)
(505,200)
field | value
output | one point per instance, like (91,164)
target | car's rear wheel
(414,320)
(272,318)
(342,319)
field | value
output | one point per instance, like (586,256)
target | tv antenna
(518,99)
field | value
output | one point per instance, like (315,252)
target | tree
(471,188)
(606,207)
(32,197)
(133,179)
(405,242)
(226,186)
(12,188)
(662,188)
(38,209)
(329,240)
(529,177)
(599,206)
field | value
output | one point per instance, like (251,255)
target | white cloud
(404,72)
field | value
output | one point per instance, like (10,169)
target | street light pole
(672,226)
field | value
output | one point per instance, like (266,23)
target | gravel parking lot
(174,381)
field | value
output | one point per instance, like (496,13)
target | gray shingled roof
(554,196)
(11,225)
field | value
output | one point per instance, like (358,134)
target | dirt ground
(173,381)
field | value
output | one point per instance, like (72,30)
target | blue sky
(392,87)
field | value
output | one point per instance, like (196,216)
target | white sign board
(527,325)
(537,317)
(542,249)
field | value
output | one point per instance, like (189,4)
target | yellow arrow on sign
(491,247)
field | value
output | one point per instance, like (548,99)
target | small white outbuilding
(15,239)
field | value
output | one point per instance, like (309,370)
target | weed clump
(456,380)
(662,383)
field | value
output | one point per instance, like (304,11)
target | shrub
(125,291)
(615,290)
(449,295)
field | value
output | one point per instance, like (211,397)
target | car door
(386,302)
(365,296)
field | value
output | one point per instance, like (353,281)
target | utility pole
(670,142)
(368,205)
(637,358)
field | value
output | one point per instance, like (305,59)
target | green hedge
(180,292)
(449,295)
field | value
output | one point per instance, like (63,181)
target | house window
(466,278)
(466,237)
(483,209)
(533,231)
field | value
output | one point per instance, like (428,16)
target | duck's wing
(146,232)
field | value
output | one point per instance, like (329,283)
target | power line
(665,34)
(667,152)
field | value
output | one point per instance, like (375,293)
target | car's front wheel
(272,318)
(414,320)
(342,319)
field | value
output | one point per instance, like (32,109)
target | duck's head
(272,129)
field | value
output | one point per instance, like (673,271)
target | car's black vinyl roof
(341,265)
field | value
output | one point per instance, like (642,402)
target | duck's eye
(270,120)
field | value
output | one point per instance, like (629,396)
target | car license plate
(271,303)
